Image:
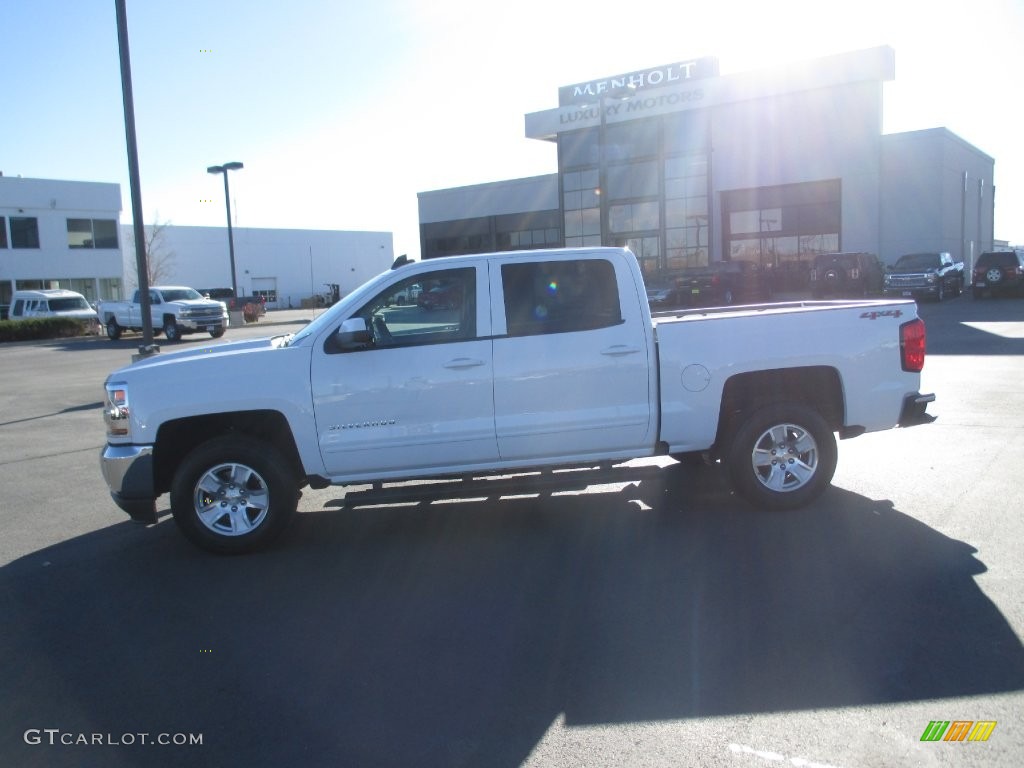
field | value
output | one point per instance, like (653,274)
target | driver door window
(424,309)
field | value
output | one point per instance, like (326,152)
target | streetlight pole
(227,202)
(148,347)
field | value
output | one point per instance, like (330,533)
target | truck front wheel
(782,456)
(233,495)
(171,329)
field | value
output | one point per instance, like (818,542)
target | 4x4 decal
(874,315)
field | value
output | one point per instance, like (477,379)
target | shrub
(43,328)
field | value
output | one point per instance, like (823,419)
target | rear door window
(560,296)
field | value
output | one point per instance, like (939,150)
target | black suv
(998,272)
(846,275)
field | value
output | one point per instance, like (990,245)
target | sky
(343,111)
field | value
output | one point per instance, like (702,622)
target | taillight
(912,345)
(715,280)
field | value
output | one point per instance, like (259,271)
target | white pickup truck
(526,359)
(175,309)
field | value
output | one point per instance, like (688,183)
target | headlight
(932,277)
(116,412)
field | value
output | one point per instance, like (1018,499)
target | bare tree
(159,256)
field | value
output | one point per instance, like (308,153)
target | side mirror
(353,334)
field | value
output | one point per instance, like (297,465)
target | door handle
(463,362)
(619,350)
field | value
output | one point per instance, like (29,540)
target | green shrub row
(43,328)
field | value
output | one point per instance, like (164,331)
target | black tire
(941,292)
(217,332)
(782,456)
(113,330)
(256,490)
(171,329)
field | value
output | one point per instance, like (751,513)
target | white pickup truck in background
(533,359)
(175,309)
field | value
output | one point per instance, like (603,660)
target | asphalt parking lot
(646,619)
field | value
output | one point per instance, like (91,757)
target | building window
(527,239)
(24,232)
(111,289)
(581,204)
(92,233)
(3,232)
(647,251)
(782,228)
(686,211)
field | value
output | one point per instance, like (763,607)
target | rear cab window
(544,297)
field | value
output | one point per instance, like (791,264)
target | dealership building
(686,167)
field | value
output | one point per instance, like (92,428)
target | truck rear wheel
(233,494)
(113,330)
(782,456)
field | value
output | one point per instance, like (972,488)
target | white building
(65,234)
(283,265)
(60,234)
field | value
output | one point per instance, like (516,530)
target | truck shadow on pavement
(450,634)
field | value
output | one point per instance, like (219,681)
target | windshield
(68,305)
(918,261)
(181,294)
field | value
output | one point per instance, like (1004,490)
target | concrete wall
(937,195)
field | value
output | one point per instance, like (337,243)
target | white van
(51,302)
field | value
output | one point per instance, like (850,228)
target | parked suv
(998,272)
(846,275)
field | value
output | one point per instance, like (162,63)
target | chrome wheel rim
(785,458)
(231,499)
(994,275)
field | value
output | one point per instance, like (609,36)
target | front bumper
(932,289)
(128,470)
(199,324)
(914,411)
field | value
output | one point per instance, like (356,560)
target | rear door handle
(463,362)
(619,350)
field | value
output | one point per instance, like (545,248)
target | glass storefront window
(634,180)
(633,217)
(782,228)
